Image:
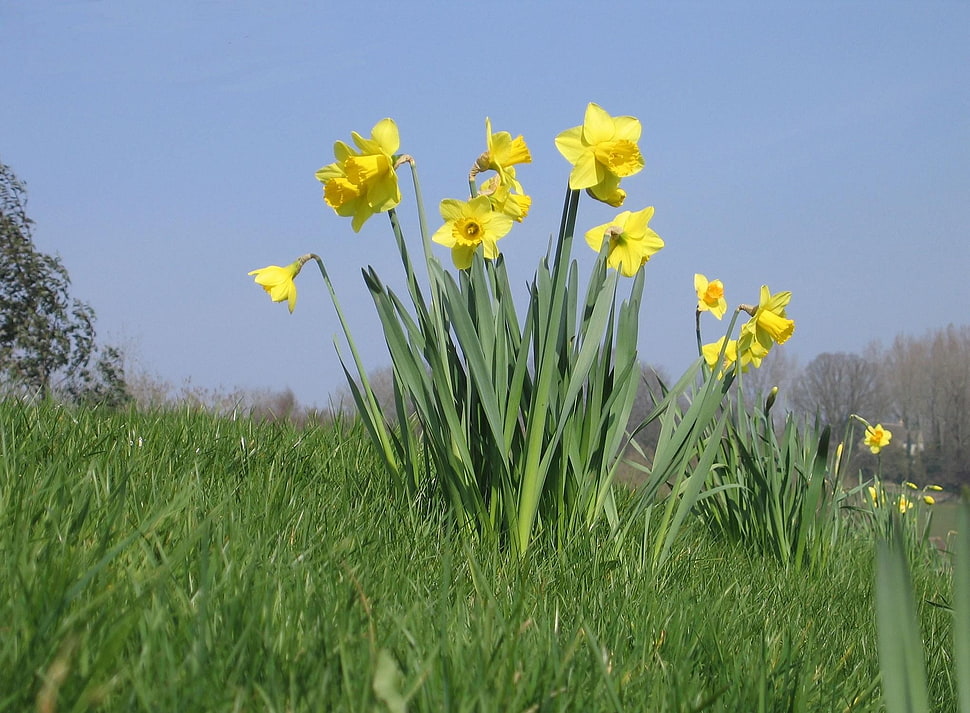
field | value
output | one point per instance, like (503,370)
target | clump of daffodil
(468,225)
(768,324)
(363,181)
(279,281)
(929,499)
(602,151)
(710,295)
(925,496)
(903,504)
(631,240)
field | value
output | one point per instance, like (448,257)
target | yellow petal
(597,125)
(570,144)
(587,172)
(385,133)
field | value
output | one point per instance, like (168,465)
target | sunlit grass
(186,562)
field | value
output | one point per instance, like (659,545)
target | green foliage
(901,648)
(43,330)
(179,561)
(774,491)
(519,423)
(684,456)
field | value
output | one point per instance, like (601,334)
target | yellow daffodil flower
(468,225)
(362,181)
(710,296)
(874,496)
(602,150)
(748,357)
(631,240)
(904,504)
(877,438)
(768,324)
(503,151)
(713,350)
(500,193)
(935,488)
(929,500)
(279,281)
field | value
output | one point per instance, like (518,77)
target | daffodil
(631,240)
(712,351)
(874,495)
(877,438)
(710,296)
(904,504)
(506,195)
(362,181)
(279,281)
(768,324)
(468,225)
(929,500)
(503,151)
(748,358)
(602,151)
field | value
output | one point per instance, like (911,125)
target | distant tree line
(47,337)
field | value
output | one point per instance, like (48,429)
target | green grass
(183,562)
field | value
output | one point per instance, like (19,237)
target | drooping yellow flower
(768,324)
(279,281)
(877,438)
(710,296)
(602,151)
(468,225)
(362,181)
(748,358)
(631,240)
(608,191)
(929,500)
(505,195)
(713,350)
(935,488)
(503,151)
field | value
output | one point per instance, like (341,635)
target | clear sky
(169,148)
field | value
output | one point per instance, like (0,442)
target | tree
(43,330)
(835,386)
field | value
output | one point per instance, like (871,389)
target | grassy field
(183,562)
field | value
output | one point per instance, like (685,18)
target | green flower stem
(697,322)
(431,265)
(422,220)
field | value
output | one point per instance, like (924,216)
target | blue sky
(169,148)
